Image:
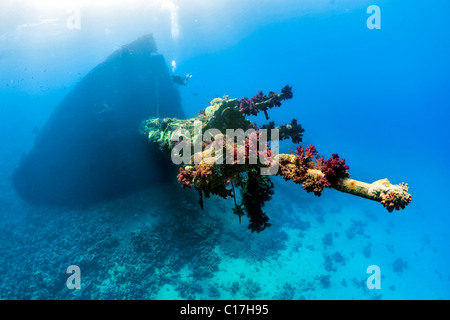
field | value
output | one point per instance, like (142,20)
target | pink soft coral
(185,178)
(202,175)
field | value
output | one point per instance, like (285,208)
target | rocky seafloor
(160,245)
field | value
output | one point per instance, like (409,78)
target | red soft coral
(303,161)
(335,169)
(310,152)
(200,175)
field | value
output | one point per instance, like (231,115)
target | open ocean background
(379,98)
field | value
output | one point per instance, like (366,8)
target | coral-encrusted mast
(304,166)
(314,180)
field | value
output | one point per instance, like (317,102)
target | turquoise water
(378,97)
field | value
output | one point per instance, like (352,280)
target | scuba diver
(180,80)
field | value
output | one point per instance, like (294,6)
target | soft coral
(335,169)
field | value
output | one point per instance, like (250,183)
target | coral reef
(212,176)
(356,228)
(251,288)
(339,258)
(303,225)
(399,265)
(367,251)
(287,293)
(324,281)
(328,264)
(327,239)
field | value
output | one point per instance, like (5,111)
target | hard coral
(314,184)
(287,170)
(395,201)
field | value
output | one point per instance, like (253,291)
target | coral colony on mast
(197,144)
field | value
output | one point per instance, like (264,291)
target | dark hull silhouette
(91,149)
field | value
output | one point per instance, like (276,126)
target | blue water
(379,98)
